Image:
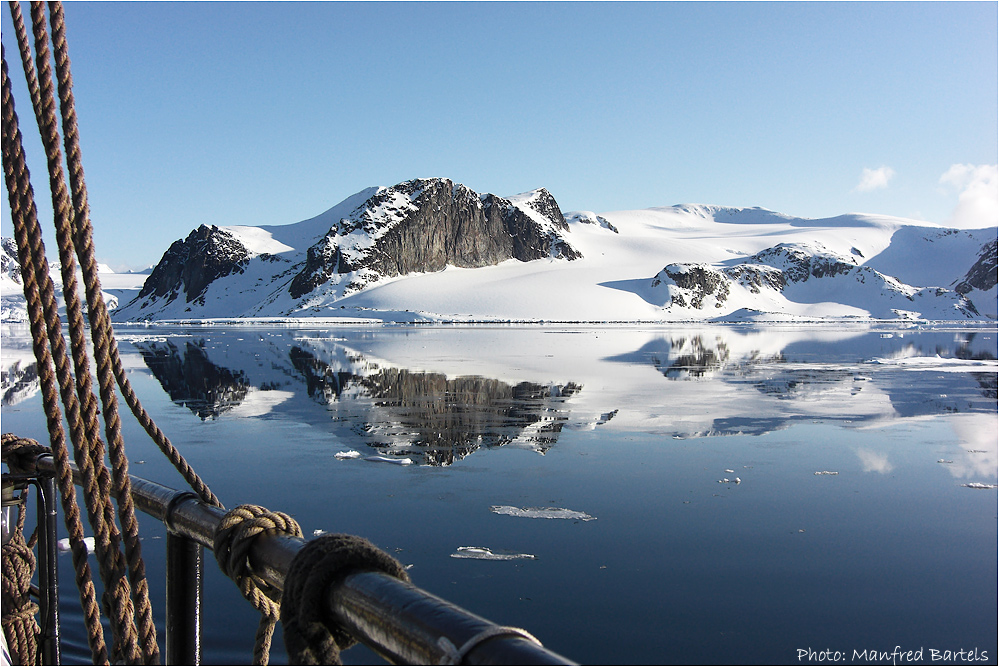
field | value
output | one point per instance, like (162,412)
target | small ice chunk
(349,454)
(979,485)
(484,553)
(730,481)
(318,531)
(727,470)
(386,459)
(63,544)
(542,513)
(943,461)
(826,472)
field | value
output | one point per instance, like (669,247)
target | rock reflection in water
(433,417)
(447,419)
(19,381)
(192,380)
(428,416)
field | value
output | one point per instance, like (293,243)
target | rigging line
(97,478)
(87,447)
(121,484)
(23,213)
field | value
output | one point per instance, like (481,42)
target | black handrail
(402,623)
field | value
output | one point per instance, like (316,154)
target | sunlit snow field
(700,495)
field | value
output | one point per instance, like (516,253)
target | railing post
(184,560)
(48,571)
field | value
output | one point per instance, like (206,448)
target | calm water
(631,429)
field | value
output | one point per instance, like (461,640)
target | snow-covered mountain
(13,307)
(422,225)
(434,250)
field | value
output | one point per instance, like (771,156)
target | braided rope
(120,481)
(232,541)
(31,256)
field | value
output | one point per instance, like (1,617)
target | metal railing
(401,622)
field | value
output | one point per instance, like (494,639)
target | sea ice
(826,472)
(979,485)
(726,480)
(63,544)
(542,513)
(349,454)
(484,553)
(385,459)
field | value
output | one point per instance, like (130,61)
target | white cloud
(874,179)
(978,201)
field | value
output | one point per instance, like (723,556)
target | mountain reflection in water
(192,380)
(396,411)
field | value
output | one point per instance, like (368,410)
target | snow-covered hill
(433,250)
(116,287)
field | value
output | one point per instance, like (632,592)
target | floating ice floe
(484,553)
(385,459)
(349,454)
(318,532)
(727,470)
(542,513)
(943,461)
(63,544)
(826,472)
(726,480)
(979,485)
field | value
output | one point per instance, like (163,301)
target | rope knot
(232,542)
(311,637)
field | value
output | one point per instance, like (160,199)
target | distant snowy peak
(418,226)
(425,225)
(790,278)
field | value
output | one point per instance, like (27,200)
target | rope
(232,542)
(310,636)
(34,268)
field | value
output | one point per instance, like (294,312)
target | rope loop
(232,542)
(311,636)
(20,453)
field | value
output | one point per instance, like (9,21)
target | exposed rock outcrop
(983,274)
(191,265)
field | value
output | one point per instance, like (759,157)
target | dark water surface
(632,430)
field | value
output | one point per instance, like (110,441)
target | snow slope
(624,251)
(687,262)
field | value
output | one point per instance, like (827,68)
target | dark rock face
(983,274)
(425,225)
(323,260)
(190,266)
(700,281)
(798,264)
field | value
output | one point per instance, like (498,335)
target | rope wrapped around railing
(369,603)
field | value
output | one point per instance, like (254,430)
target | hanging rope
(233,539)
(31,251)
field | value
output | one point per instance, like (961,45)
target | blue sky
(270,113)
